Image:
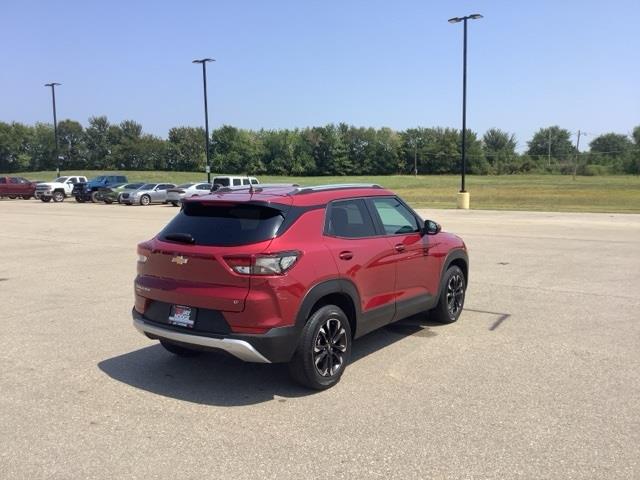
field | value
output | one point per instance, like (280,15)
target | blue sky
(306,62)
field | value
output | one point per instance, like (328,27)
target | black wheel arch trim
(456,254)
(320,290)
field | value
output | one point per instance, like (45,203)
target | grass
(558,193)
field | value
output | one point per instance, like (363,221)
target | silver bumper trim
(238,348)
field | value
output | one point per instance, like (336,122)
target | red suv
(293,274)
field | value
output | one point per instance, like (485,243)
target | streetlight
(206,112)
(53,86)
(463,196)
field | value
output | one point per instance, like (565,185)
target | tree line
(327,150)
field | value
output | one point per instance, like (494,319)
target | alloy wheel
(455,294)
(330,347)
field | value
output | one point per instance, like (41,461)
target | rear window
(225,225)
(224,181)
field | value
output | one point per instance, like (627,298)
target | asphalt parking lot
(540,378)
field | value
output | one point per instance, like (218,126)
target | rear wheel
(145,200)
(175,204)
(108,201)
(79,199)
(451,300)
(12,197)
(94,197)
(323,350)
(58,197)
(179,350)
(45,199)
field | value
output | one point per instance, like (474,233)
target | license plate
(182,316)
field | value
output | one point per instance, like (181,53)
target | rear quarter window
(226,225)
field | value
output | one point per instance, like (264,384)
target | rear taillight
(263,264)
(143,253)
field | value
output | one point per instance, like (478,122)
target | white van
(233,181)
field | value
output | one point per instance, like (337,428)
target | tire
(175,204)
(79,200)
(94,197)
(179,350)
(58,197)
(320,359)
(45,199)
(25,197)
(451,300)
(108,201)
(12,197)
(145,200)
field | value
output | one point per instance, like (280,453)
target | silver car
(147,194)
(187,190)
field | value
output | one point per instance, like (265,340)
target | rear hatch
(185,264)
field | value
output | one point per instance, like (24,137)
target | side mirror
(431,227)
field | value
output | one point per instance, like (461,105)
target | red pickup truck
(13,187)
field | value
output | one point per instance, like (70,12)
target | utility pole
(206,112)
(463,195)
(549,147)
(575,165)
(55,123)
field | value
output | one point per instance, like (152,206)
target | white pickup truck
(59,189)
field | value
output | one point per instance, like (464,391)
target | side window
(395,217)
(13,180)
(254,181)
(3,180)
(349,219)
(224,181)
(73,180)
(236,182)
(204,186)
(245,181)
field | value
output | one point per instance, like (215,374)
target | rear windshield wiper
(180,237)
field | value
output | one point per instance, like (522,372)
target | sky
(287,64)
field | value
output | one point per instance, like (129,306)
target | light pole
(53,86)
(463,196)
(206,112)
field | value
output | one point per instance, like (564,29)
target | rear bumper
(275,346)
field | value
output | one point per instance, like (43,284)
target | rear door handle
(399,247)
(346,255)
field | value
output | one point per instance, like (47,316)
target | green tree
(185,151)
(71,145)
(562,149)
(99,138)
(500,150)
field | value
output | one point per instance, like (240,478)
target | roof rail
(256,188)
(336,186)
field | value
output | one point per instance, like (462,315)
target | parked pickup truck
(13,187)
(59,189)
(90,191)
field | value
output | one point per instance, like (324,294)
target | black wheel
(94,197)
(79,199)
(108,201)
(25,197)
(323,350)
(58,197)
(145,200)
(12,197)
(45,199)
(179,350)
(175,204)
(451,300)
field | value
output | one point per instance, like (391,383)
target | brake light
(143,253)
(263,264)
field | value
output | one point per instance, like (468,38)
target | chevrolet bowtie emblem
(180,260)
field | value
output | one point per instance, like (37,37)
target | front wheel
(323,350)
(145,200)
(175,204)
(79,199)
(45,199)
(58,197)
(94,197)
(451,300)
(108,201)
(179,350)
